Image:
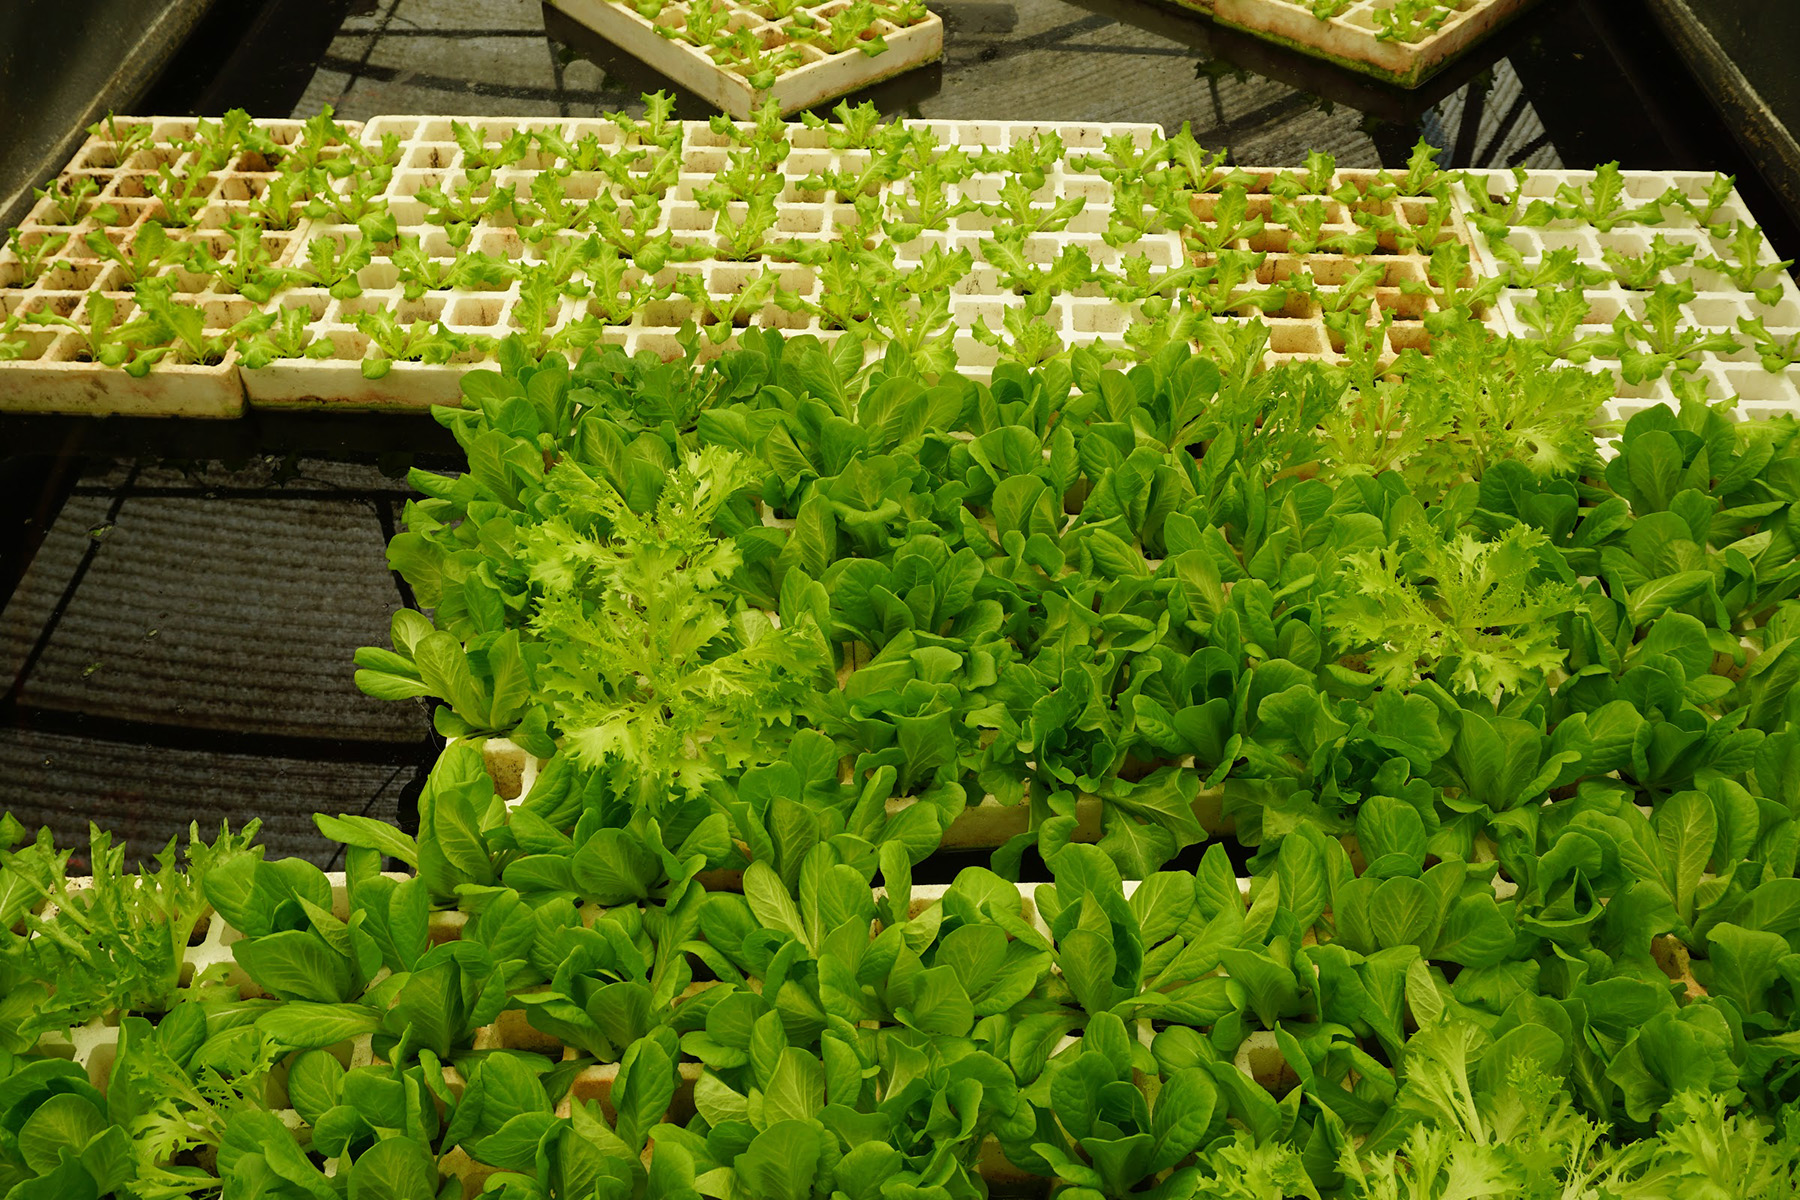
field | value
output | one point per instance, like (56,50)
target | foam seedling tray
(1350,37)
(56,373)
(1299,330)
(427,154)
(1718,302)
(819,75)
(94,1046)
(431,158)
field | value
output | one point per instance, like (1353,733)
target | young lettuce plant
(117,945)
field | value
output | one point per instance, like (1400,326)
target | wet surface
(179,601)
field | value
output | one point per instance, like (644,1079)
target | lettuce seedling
(1024,337)
(1230,223)
(743,221)
(1777,354)
(290,337)
(926,203)
(282,201)
(66,199)
(134,345)
(463,207)
(1555,268)
(152,251)
(1410,20)
(472,271)
(322,144)
(1068,271)
(12,347)
(35,256)
(1477,617)
(480,158)
(549,211)
(849,29)
(359,202)
(1746,266)
(703,21)
(126,142)
(1016,214)
(183,326)
(1705,207)
(391,342)
(118,944)
(745,53)
(584,154)
(183,194)
(656,129)
(1601,203)
(1662,341)
(1640,272)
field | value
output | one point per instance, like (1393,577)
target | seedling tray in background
(820,74)
(56,373)
(1351,37)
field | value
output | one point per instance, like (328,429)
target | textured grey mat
(147,795)
(222,614)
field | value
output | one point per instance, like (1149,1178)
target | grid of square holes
(1300,242)
(1718,302)
(645,311)
(1353,33)
(806,69)
(156,183)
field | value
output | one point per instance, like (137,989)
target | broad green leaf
(1686,825)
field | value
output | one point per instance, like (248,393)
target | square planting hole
(801,219)
(312,301)
(187,281)
(497,243)
(973,354)
(1715,313)
(240,188)
(223,314)
(64,276)
(1158,250)
(472,312)
(61,304)
(1603,307)
(663,314)
(96,156)
(42,345)
(691,218)
(1408,337)
(1649,389)
(1273,239)
(1100,318)
(1095,192)
(1403,306)
(1754,384)
(347,311)
(379,276)
(1092,220)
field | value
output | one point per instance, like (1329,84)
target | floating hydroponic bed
(370,272)
(738,56)
(1507,731)
(1404,42)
